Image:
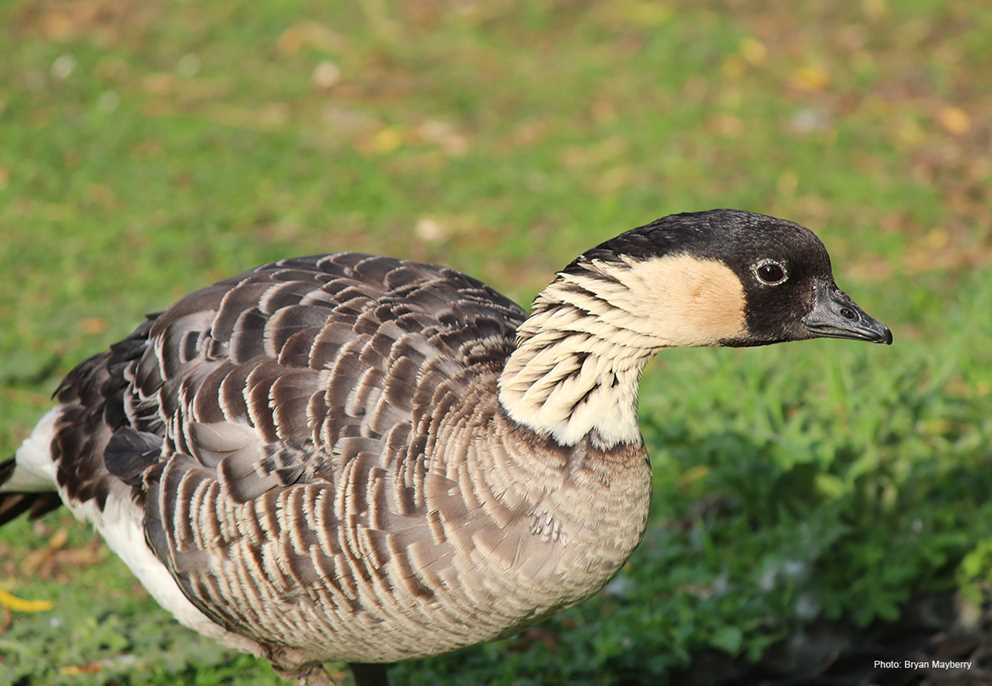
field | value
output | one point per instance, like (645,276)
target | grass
(151,147)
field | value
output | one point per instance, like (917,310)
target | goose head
(715,278)
(722,277)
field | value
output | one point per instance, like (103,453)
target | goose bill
(835,315)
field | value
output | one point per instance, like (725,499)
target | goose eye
(770,272)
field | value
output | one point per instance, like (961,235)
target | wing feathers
(278,429)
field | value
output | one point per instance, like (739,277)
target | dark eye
(770,272)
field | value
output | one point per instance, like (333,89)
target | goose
(364,459)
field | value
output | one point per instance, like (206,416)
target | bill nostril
(848,313)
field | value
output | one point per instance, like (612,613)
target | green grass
(147,148)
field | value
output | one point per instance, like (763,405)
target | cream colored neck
(574,372)
(579,356)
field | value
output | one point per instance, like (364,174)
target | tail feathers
(7,470)
(13,505)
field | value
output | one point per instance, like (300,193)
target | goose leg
(369,674)
(308,675)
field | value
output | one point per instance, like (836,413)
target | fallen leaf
(16,604)
(430,230)
(61,537)
(810,78)
(386,140)
(325,75)
(954,120)
(753,51)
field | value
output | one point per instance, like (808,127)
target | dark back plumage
(260,395)
(252,351)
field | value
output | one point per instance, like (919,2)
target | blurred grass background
(149,147)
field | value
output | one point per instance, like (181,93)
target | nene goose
(366,459)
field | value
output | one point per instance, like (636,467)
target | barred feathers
(323,467)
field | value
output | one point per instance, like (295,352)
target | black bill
(835,315)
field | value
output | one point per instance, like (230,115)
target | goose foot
(369,674)
(307,675)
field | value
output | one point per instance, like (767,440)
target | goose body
(360,458)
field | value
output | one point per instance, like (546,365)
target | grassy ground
(149,147)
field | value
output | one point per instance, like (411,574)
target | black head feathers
(783,268)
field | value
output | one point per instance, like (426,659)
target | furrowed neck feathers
(578,359)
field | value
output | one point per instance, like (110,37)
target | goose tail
(14,504)
(27,484)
